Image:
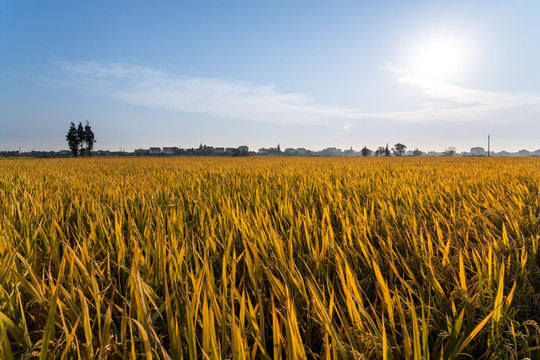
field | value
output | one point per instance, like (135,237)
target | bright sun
(439,58)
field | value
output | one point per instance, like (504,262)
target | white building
(169,150)
(478,151)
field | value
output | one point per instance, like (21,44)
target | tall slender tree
(80,138)
(89,138)
(386,151)
(73,139)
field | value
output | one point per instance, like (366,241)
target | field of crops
(270,258)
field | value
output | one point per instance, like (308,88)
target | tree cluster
(240,153)
(381,150)
(450,151)
(80,139)
(398,150)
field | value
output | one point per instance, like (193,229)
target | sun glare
(439,58)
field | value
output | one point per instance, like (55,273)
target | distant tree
(379,151)
(279,150)
(450,151)
(386,151)
(80,138)
(239,153)
(89,138)
(399,149)
(417,152)
(73,139)
(366,151)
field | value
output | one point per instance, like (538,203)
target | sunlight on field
(402,258)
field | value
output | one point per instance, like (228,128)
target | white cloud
(224,99)
(459,95)
(457,104)
(145,86)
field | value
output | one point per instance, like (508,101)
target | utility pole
(488,147)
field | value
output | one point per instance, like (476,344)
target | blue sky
(296,73)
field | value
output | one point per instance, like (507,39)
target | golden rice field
(270,258)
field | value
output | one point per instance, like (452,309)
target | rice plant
(270,258)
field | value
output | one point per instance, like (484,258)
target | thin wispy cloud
(144,86)
(450,102)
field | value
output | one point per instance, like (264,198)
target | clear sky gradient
(307,74)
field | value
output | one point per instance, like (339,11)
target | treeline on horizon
(204,150)
(81,140)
